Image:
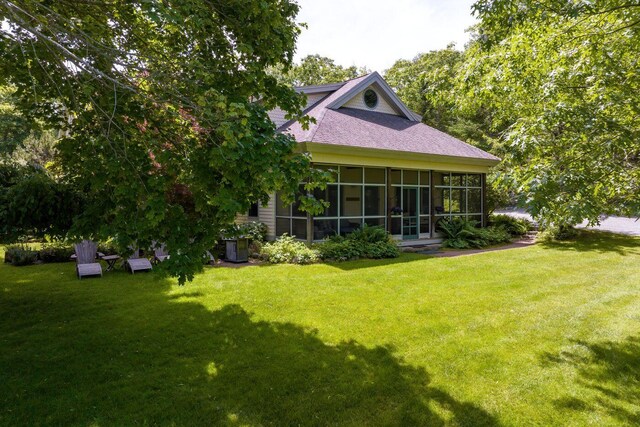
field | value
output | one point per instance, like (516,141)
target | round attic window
(370,98)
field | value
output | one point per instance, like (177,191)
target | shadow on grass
(373,263)
(123,351)
(598,241)
(610,371)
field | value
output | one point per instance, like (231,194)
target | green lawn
(544,335)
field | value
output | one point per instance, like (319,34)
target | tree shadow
(361,264)
(123,352)
(610,371)
(598,241)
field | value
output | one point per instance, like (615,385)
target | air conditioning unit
(237,249)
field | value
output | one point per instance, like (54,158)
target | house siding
(267,215)
(312,98)
(242,219)
(383,106)
(277,117)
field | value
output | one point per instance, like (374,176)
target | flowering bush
(287,249)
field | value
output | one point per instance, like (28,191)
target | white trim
(385,89)
(319,88)
(322,147)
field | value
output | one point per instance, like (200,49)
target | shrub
(462,234)
(493,235)
(366,242)
(33,203)
(55,252)
(379,250)
(254,231)
(340,250)
(20,255)
(287,249)
(556,232)
(108,248)
(514,226)
(369,234)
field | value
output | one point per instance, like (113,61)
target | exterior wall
(267,215)
(312,98)
(277,117)
(383,106)
(408,202)
(242,219)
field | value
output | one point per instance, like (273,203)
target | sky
(376,33)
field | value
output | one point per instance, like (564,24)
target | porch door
(410,212)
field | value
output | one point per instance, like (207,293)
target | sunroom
(391,170)
(406,202)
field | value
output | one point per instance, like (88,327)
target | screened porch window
(409,187)
(357,197)
(457,195)
(290,219)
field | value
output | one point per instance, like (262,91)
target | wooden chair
(159,252)
(86,264)
(136,264)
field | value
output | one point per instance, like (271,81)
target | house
(391,169)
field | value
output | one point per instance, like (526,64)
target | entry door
(410,212)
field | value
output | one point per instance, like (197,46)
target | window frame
(465,187)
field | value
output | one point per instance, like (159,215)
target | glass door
(409,212)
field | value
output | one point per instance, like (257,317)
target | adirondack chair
(86,264)
(159,252)
(135,263)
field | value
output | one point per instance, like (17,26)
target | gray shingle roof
(370,129)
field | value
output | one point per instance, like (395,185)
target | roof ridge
(321,107)
(342,83)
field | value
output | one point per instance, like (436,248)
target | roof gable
(337,125)
(374,79)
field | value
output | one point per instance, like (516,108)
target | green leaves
(565,74)
(317,70)
(157,101)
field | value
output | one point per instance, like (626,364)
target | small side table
(111,261)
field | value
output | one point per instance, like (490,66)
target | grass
(544,335)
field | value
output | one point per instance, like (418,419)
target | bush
(340,250)
(20,255)
(366,242)
(32,203)
(55,252)
(555,232)
(379,250)
(462,234)
(369,234)
(254,231)
(493,235)
(108,248)
(287,249)
(514,226)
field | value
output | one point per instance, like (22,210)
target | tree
(317,70)
(14,127)
(163,107)
(567,72)
(428,85)
(34,203)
